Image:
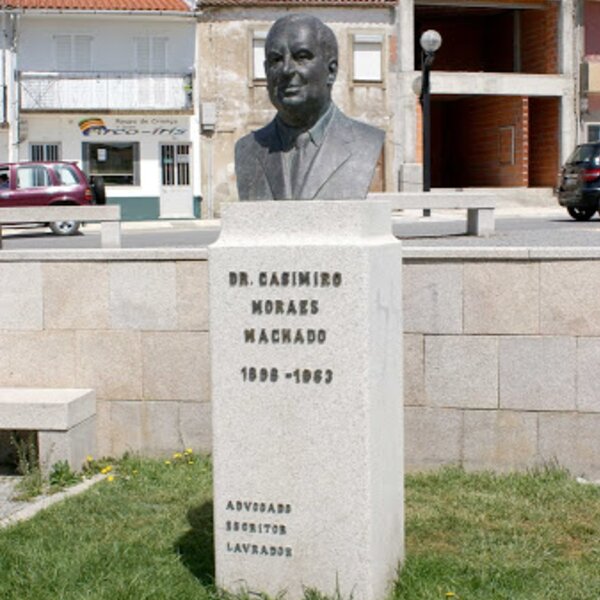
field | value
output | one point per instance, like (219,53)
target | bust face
(299,74)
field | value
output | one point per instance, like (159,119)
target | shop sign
(133,126)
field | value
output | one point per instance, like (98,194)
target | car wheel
(65,227)
(99,191)
(581,214)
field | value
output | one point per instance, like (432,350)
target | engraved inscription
(246,527)
(254,335)
(259,550)
(238,279)
(315,279)
(261,375)
(251,528)
(299,279)
(257,528)
(272,375)
(275,508)
(285,307)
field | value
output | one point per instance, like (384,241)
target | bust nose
(289,66)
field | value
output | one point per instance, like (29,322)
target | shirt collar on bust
(288,134)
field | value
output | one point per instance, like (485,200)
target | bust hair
(325,36)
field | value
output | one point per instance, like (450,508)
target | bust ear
(333,69)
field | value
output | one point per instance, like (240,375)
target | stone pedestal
(306,344)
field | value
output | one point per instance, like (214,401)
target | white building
(110,88)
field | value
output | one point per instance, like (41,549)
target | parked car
(46,184)
(579,185)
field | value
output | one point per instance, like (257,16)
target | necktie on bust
(300,163)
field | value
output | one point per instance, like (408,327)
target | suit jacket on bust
(341,170)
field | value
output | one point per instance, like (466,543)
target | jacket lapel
(270,158)
(333,153)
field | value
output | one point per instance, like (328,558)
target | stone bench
(109,217)
(479,206)
(64,419)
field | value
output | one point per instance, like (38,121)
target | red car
(49,183)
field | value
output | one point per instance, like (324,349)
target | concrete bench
(109,218)
(479,206)
(64,419)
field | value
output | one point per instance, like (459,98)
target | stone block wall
(502,350)
(132,326)
(501,355)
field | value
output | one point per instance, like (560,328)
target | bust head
(301,61)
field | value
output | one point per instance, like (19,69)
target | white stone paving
(9,506)
(12,511)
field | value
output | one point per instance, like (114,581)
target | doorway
(176,200)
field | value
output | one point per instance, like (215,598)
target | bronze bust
(310,150)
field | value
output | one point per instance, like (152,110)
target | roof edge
(295,3)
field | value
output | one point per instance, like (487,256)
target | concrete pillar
(568,65)
(306,351)
(405,117)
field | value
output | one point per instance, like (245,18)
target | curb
(43,502)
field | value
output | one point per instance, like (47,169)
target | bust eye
(303,56)
(273,59)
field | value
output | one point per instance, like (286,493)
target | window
(584,154)
(593,132)
(506,145)
(73,52)
(117,163)
(367,58)
(175,162)
(4,178)
(66,175)
(31,177)
(258,55)
(45,152)
(151,54)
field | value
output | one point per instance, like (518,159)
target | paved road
(525,227)
(551,228)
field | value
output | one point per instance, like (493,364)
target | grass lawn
(147,534)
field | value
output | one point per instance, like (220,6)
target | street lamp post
(430,42)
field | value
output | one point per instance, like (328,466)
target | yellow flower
(110,478)
(167,462)
(89,458)
(190,462)
(106,470)
(177,455)
(188,451)
(450,595)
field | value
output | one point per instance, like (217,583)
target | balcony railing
(104,91)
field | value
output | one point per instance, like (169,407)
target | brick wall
(462,43)
(544,160)
(472,43)
(499,42)
(419,144)
(539,40)
(592,28)
(476,42)
(476,136)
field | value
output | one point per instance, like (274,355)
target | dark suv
(579,186)
(49,183)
